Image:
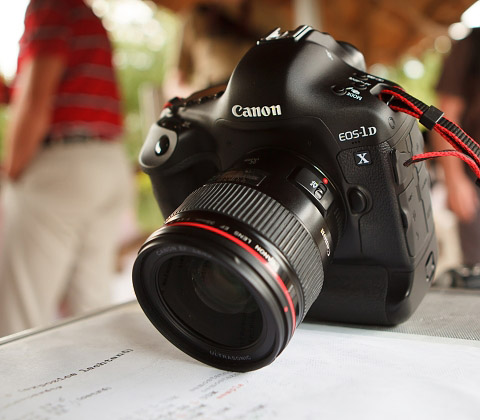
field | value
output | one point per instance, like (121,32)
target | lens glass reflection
(210,299)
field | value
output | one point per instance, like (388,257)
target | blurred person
(215,37)
(214,41)
(459,97)
(66,176)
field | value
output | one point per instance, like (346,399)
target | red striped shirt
(87,99)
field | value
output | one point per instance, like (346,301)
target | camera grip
(178,161)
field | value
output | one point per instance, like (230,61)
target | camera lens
(220,289)
(236,267)
(211,299)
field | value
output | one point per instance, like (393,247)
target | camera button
(162,145)
(430,267)
(403,174)
(361,76)
(320,191)
(360,85)
(339,90)
(357,200)
(315,186)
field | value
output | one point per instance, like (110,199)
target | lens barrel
(236,267)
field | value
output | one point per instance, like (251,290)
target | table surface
(114,365)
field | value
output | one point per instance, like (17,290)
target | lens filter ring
(240,342)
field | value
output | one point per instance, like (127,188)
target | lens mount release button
(357,200)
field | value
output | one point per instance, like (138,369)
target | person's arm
(31,111)
(462,197)
(4,91)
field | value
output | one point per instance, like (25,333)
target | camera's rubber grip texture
(271,221)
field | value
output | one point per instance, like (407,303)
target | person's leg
(38,247)
(468,275)
(60,225)
(90,286)
(470,239)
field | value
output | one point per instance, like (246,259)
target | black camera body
(300,121)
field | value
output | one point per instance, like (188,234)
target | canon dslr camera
(289,195)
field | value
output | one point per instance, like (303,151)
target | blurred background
(168,48)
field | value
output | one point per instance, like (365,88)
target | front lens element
(221,290)
(210,299)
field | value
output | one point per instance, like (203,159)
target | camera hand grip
(177,163)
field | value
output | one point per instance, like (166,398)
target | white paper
(117,366)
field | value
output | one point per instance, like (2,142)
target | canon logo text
(256,111)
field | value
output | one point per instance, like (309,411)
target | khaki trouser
(60,225)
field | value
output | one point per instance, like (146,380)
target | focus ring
(269,219)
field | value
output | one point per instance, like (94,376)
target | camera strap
(465,147)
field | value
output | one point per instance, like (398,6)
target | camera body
(302,96)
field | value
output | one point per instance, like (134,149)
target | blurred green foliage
(423,87)
(139,64)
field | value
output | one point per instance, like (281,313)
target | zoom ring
(269,219)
